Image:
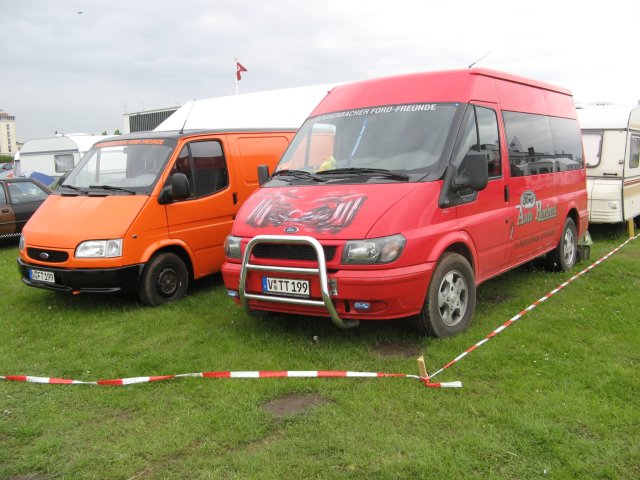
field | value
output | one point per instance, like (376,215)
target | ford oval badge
(528,199)
(44,255)
(291,230)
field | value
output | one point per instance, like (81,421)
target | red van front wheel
(165,279)
(451,298)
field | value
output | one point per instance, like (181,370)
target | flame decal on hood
(330,213)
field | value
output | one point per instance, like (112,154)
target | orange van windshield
(406,139)
(121,167)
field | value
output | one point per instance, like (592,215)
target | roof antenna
(481,58)
(187,117)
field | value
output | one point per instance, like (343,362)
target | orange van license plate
(41,276)
(285,286)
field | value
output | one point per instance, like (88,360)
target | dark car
(19,198)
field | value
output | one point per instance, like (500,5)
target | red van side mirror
(475,168)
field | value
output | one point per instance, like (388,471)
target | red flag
(239,70)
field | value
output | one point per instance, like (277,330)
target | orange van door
(484,215)
(204,219)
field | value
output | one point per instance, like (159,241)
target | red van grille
(282,251)
(51,256)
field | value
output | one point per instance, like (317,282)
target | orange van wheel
(565,255)
(451,298)
(165,278)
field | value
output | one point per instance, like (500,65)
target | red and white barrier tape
(529,308)
(249,374)
(424,377)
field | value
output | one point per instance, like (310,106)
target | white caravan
(53,156)
(611,138)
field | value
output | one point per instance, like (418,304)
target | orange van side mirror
(263,174)
(178,190)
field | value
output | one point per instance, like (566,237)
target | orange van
(145,212)
(149,212)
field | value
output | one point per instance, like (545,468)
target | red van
(399,196)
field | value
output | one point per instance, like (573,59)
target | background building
(147,120)
(8,139)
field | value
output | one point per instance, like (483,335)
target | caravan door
(631,186)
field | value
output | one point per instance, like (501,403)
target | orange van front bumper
(81,280)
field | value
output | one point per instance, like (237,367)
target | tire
(451,298)
(565,255)
(165,279)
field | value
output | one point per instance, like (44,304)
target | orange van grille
(52,256)
(290,252)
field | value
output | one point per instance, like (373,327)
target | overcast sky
(78,65)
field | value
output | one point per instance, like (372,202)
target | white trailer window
(592,142)
(63,163)
(634,152)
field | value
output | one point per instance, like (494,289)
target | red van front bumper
(353,294)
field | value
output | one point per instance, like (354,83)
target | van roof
(175,134)
(285,108)
(609,116)
(452,86)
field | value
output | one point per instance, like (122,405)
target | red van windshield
(400,138)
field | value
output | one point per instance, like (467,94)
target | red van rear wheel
(565,255)
(165,278)
(451,298)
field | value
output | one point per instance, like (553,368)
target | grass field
(556,395)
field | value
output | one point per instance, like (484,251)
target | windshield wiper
(76,189)
(375,172)
(301,174)
(110,187)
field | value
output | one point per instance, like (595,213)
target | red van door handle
(506,193)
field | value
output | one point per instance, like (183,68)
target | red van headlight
(374,250)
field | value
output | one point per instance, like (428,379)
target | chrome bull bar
(321,272)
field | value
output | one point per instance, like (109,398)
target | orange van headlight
(100,249)
(375,250)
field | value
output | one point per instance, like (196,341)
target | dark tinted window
(530,143)
(539,144)
(567,144)
(3,196)
(210,167)
(204,165)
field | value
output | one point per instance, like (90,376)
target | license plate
(285,286)
(41,276)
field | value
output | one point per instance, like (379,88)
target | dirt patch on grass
(397,349)
(493,298)
(293,404)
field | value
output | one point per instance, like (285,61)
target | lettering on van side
(525,242)
(330,213)
(538,213)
